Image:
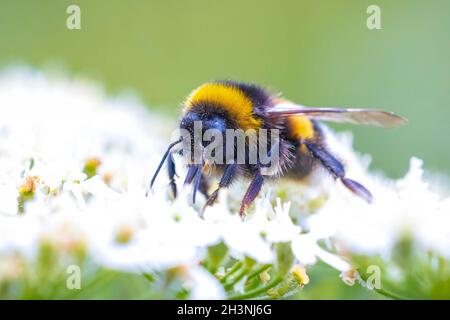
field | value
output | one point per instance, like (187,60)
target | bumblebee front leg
(164,158)
(227,178)
(191,174)
(335,167)
(172,173)
(252,192)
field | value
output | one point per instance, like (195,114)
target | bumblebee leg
(197,181)
(172,173)
(194,173)
(192,170)
(227,178)
(252,192)
(204,186)
(166,154)
(335,167)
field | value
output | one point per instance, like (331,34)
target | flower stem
(384,292)
(259,270)
(258,291)
(233,270)
(285,287)
(389,294)
(237,278)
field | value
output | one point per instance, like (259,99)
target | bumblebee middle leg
(252,192)
(204,186)
(227,178)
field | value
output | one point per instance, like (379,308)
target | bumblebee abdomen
(300,128)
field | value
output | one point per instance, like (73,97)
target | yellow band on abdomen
(300,127)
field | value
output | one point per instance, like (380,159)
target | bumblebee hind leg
(335,167)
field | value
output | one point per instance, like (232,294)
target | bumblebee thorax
(225,98)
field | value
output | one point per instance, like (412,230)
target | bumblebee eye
(216,123)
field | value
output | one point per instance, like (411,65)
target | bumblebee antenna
(173,144)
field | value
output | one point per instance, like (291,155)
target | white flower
(404,208)
(19,235)
(94,186)
(49,129)
(307,251)
(243,239)
(141,234)
(204,286)
(273,222)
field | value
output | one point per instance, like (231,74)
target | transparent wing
(373,117)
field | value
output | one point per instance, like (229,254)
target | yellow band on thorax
(236,104)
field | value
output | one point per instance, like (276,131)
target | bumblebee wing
(379,118)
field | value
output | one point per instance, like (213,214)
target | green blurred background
(318,53)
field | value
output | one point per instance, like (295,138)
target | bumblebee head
(195,121)
(197,130)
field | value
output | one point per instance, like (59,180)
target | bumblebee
(301,144)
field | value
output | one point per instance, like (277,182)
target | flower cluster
(74,171)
